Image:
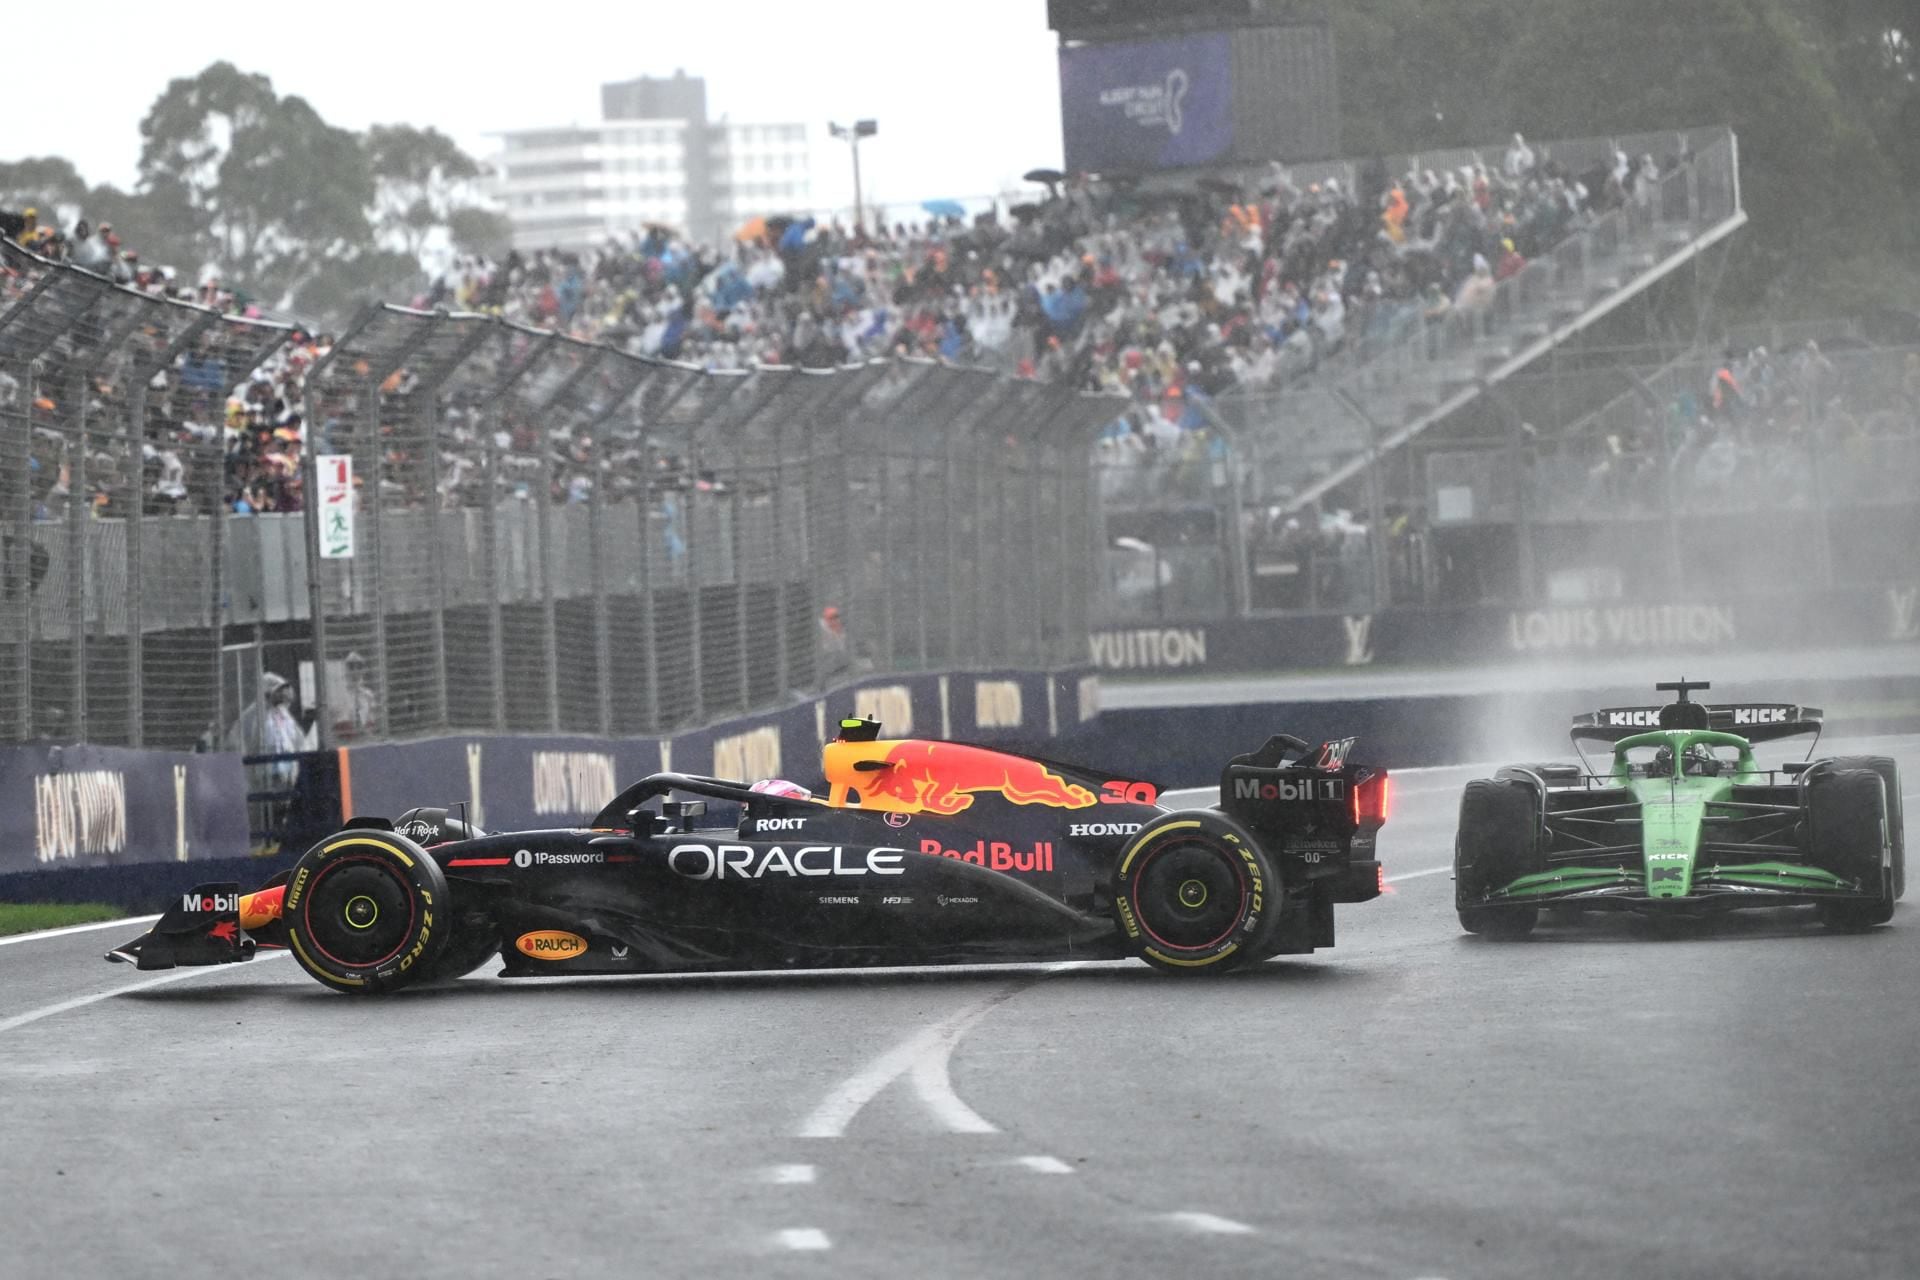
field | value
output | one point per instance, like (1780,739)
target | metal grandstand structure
(551,535)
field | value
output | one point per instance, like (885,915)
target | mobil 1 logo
(1283,790)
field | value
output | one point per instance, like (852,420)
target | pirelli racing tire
(1847,816)
(1194,894)
(366,912)
(1498,841)
(1889,773)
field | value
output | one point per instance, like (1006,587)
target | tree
(161,233)
(422,179)
(1822,95)
(480,231)
(1877,70)
(277,192)
(46,183)
(332,296)
(1815,184)
(1413,77)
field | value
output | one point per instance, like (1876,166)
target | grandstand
(1290,376)
(659,543)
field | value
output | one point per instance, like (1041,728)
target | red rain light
(1372,799)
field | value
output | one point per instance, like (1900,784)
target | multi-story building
(655,157)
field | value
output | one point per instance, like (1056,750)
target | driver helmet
(782,788)
(1701,761)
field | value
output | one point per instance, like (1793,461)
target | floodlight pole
(861,129)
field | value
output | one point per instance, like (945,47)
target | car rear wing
(1754,721)
(1287,778)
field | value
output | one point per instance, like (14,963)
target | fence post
(597,430)
(690,520)
(312,424)
(429,413)
(782,655)
(141,374)
(984,571)
(376,559)
(737,540)
(74,394)
(649,624)
(549,619)
(136,526)
(1234,543)
(597,583)
(649,616)
(496,612)
(19,481)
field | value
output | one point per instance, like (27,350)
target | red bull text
(995,855)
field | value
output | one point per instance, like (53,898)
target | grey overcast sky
(967,94)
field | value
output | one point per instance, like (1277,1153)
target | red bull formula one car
(918,852)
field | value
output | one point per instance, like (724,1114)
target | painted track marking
(802,1238)
(934,1084)
(1044,1164)
(1207,1223)
(81,1002)
(40,935)
(788,1174)
(1415,875)
(837,1110)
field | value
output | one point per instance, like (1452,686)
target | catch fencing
(547,535)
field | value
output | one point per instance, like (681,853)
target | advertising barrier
(103,824)
(87,806)
(510,782)
(1487,633)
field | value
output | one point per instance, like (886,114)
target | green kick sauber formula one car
(1683,823)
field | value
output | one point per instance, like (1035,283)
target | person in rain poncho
(269,727)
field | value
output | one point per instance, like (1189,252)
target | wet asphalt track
(1598,1102)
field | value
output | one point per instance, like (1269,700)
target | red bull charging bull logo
(943,777)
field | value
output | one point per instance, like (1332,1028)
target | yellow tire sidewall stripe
(1140,841)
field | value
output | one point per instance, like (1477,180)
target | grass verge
(25,917)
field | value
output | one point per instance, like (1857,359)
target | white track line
(1044,1164)
(837,1110)
(81,1002)
(802,1238)
(789,1174)
(935,1086)
(1415,875)
(43,934)
(1210,1224)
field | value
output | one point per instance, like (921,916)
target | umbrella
(1025,211)
(1048,176)
(944,208)
(752,229)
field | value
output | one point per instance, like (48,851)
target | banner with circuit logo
(1137,106)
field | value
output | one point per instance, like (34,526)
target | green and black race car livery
(1683,821)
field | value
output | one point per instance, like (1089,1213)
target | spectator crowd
(1170,296)
(1783,428)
